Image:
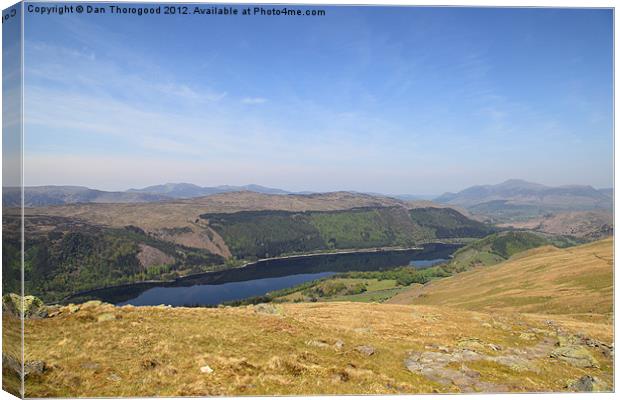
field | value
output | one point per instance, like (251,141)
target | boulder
(365,350)
(578,356)
(589,383)
(265,308)
(317,343)
(470,344)
(31,306)
(106,317)
(34,368)
(206,369)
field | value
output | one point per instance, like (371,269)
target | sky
(377,99)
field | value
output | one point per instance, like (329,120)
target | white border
(476,3)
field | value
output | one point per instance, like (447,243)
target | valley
(331,293)
(77,247)
(485,330)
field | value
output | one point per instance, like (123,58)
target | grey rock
(589,383)
(366,350)
(578,356)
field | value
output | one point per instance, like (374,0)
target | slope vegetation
(576,281)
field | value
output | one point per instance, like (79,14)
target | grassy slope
(494,249)
(150,351)
(575,281)
(159,351)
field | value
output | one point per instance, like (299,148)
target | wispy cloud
(254,100)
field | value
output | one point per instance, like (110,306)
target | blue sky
(392,100)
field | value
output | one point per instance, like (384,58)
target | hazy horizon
(344,189)
(398,100)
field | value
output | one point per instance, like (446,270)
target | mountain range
(521,197)
(513,196)
(41,196)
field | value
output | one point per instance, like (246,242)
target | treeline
(82,257)
(262,234)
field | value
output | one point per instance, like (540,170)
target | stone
(30,306)
(589,383)
(206,369)
(317,343)
(91,304)
(470,344)
(495,347)
(578,356)
(365,350)
(34,368)
(339,345)
(106,317)
(264,308)
(72,308)
(91,365)
(527,336)
(114,378)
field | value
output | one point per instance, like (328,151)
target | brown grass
(576,281)
(147,351)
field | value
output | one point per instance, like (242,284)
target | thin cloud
(254,100)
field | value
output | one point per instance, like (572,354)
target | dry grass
(576,281)
(148,351)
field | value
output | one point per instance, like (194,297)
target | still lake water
(259,278)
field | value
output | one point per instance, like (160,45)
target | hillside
(493,249)
(590,225)
(576,281)
(301,349)
(86,246)
(539,322)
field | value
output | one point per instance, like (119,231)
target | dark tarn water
(257,279)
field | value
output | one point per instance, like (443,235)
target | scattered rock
(495,347)
(91,304)
(53,311)
(71,308)
(31,368)
(149,363)
(206,369)
(34,367)
(527,336)
(265,308)
(114,378)
(30,306)
(317,343)
(515,363)
(91,365)
(589,383)
(470,344)
(469,372)
(106,317)
(575,355)
(365,350)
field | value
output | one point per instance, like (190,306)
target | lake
(259,278)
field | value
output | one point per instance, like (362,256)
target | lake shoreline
(87,292)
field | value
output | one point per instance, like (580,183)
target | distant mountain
(518,196)
(188,190)
(38,196)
